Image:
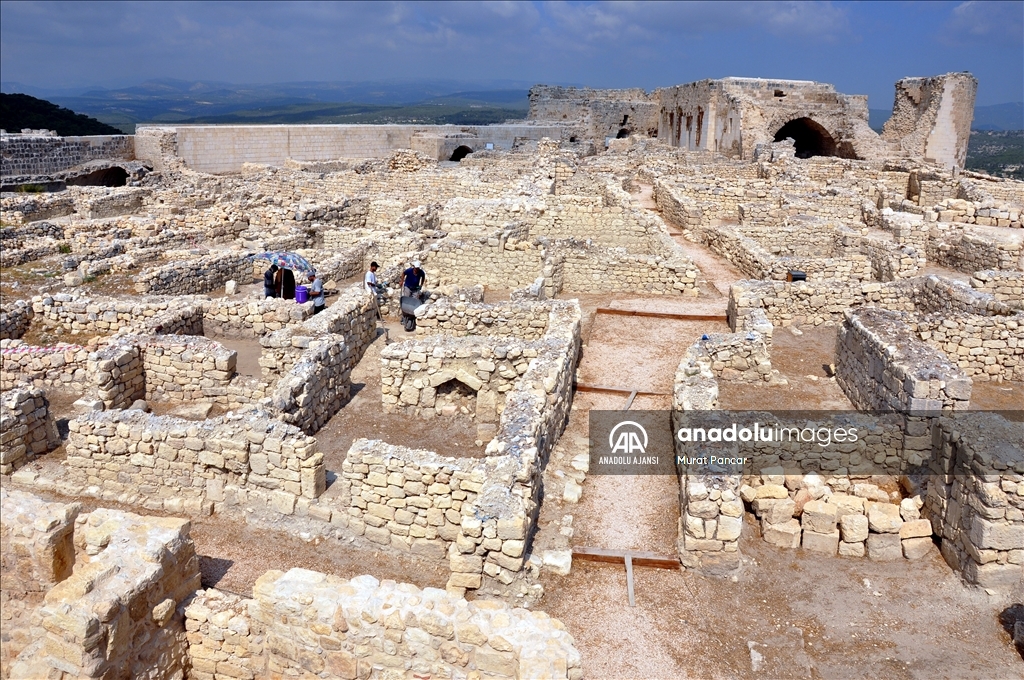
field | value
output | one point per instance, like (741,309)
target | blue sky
(863,48)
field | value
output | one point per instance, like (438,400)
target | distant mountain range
(432,101)
(994,117)
(177,101)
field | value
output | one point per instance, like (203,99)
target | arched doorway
(810,137)
(105,177)
(622,134)
(460,153)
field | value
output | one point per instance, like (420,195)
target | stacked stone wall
(46,155)
(184,368)
(598,269)
(26,428)
(881,366)
(523,320)
(431,633)
(252,318)
(15,319)
(487,261)
(60,365)
(196,277)
(949,246)
(37,552)
(984,347)
(165,463)
(1005,286)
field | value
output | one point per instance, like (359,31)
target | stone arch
(811,138)
(460,153)
(105,177)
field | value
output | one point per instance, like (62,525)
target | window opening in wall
(780,93)
(573,138)
(625,119)
(700,124)
(460,153)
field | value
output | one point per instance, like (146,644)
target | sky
(862,48)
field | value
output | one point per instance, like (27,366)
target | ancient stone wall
(251,318)
(15,319)
(184,368)
(984,347)
(901,373)
(26,428)
(165,463)
(117,614)
(975,498)
(523,320)
(931,117)
(424,632)
(488,261)
(1005,286)
(198,276)
(949,245)
(60,365)
(598,269)
(46,155)
(37,552)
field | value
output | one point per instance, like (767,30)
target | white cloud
(981,22)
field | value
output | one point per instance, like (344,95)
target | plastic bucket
(301,294)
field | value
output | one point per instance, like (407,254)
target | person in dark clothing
(413,279)
(288,284)
(269,286)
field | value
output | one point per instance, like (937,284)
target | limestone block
(884,547)
(783,534)
(916,548)
(820,542)
(917,528)
(819,517)
(883,518)
(851,549)
(854,528)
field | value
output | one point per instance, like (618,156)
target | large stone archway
(811,138)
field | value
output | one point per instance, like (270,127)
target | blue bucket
(301,294)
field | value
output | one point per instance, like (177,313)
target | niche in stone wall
(460,153)
(810,137)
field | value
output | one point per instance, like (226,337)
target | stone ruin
(917,264)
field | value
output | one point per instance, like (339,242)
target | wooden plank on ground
(629,402)
(629,579)
(583,387)
(662,315)
(640,558)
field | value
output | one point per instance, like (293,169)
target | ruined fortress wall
(26,428)
(431,633)
(932,116)
(225,148)
(46,155)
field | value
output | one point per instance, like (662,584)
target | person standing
(371,279)
(316,292)
(413,279)
(269,286)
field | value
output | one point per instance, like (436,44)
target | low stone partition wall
(819,302)
(40,248)
(198,276)
(1005,286)
(738,357)
(951,246)
(882,366)
(117,614)
(184,368)
(318,384)
(26,429)
(447,316)
(116,374)
(93,204)
(890,262)
(491,261)
(22,209)
(59,365)
(594,268)
(975,498)
(252,317)
(37,552)
(984,347)
(165,463)
(339,636)
(78,314)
